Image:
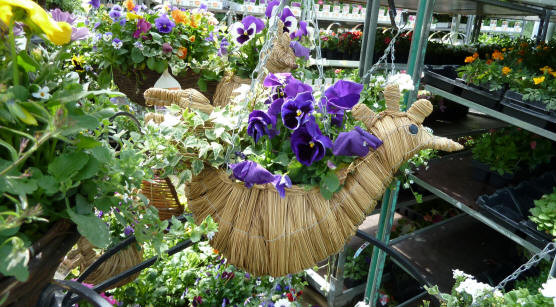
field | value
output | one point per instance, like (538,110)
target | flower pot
(535,105)
(134,83)
(528,114)
(46,254)
(355,55)
(496,180)
(481,95)
(479,171)
(443,78)
(329,54)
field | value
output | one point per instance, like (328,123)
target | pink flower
(337,71)
(533,144)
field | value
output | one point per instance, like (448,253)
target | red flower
(387,40)
(533,144)
(290,297)
(300,293)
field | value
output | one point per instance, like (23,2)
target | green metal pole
(386,220)
(418,47)
(369,37)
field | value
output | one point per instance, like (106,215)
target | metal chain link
(549,248)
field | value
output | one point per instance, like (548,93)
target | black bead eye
(413,129)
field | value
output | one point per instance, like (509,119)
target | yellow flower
(77,62)
(57,32)
(196,20)
(553,73)
(180,17)
(503,49)
(132,16)
(192,38)
(469,59)
(538,80)
(546,69)
(506,70)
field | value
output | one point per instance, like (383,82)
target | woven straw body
(118,263)
(162,194)
(268,235)
(135,83)
(225,90)
(188,99)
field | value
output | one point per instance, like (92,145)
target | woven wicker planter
(116,264)
(268,235)
(135,83)
(47,253)
(162,194)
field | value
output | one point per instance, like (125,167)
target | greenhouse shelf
(499,115)
(450,179)
(472,124)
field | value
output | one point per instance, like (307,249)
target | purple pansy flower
(269,7)
(143,26)
(252,173)
(355,143)
(115,13)
(128,230)
(302,31)
(223,50)
(210,37)
(95,3)
(245,30)
(342,95)
(299,50)
(295,87)
(225,302)
(289,20)
(278,79)
(297,111)
(163,24)
(258,125)
(166,48)
(198,300)
(308,144)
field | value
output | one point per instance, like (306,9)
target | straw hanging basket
(268,235)
(116,264)
(134,83)
(162,194)
(281,59)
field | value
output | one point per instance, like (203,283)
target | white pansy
(549,288)
(282,303)
(404,81)
(271,279)
(258,282)
(42,93)
(210,235)
(107,36)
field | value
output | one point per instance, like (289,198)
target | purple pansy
(198,300)
(289,20)
(269,7)
(308,144)
(128,230)
(210,37)
(246,29)
(163,24)
(252,173)
(295,87)
(258,125)
(342,95)
(355,143)
(299,50)
(143,26)
(115,13)
(302,31)
(297,111)
(95,3)
(166,48)
(278,79)
(223,50)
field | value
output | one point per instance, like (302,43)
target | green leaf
(136,56)
(210,134)
(195,235)
(67,165)
(104,203)
(197,166)
(216,149)
(82,206)
(19,186)
(13,262)
(77,123)
(202,83)
(26,62)
(21,93)
(159,67)
(103,154)
(185,176)
(282,159)
(49,184)
(11,150)
(89,170)
(21,113)
(86,142)
(92,228)
(331,182)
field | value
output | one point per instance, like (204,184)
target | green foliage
(200,273)
(544,213)
(70,6)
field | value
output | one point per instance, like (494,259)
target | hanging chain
(388,51)
(549,248)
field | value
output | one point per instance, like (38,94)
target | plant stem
(45,137)
(11,38)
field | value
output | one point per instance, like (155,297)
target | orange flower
(215,251)
(129,4)
(469,59)
(489,61)
(519,60)
(192,38)
(182,52)
(503,49)
(546,69)
(497,55)
(521,52)
(506,70)
(180,17)
(538,80)
(545,48)
(524,44)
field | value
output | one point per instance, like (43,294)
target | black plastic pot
(481,95)
(355,55)
(498,181)
(529,115)
(535,236)
(443,78)
(535,105)
(479,171)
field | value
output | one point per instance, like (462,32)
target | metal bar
(418,48)
(369,37)
(545,25)
(337,280)
(424,229)
(552,273)
(476,28)
(383,234)
(550,31)
(476,214)
(512,6)
(499,115)
(469,28)
(413,299)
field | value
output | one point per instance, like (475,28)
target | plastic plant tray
(526,114)
(443,78)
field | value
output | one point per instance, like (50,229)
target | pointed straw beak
(444,144)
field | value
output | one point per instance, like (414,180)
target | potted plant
(544,214)
(137,45)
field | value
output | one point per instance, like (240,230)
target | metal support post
(418,47)
(369,37)
(550,31)
(454,28)
(469,29)
(544,29)
(386,220)
(552,273)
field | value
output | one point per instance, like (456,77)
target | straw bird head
(403,133)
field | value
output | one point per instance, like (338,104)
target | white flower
(258,282)
(406,185)
(42,93)
(117,43)
(271,279)
(549,288)
(282,303)
(457,273)
(379,80)
(107,36)
(404,81)
(407,171)
(376,105)
(210,235)
(474,288)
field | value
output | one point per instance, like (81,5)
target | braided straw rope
(188,98)
(118,263)
(268,235)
